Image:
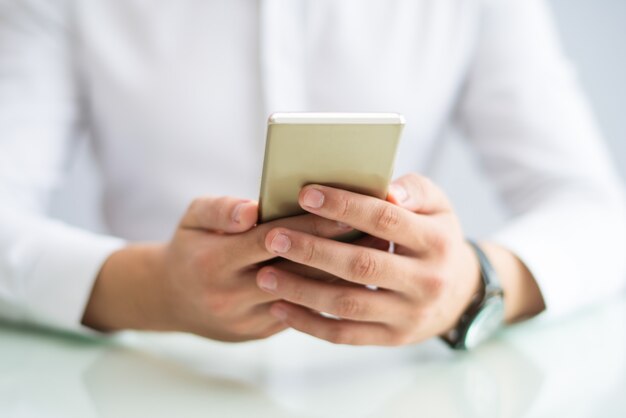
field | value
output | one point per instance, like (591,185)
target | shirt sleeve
(523,111)
(47,268)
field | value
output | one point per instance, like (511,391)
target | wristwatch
(486,311)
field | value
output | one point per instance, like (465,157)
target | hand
(415,293)
(202,281)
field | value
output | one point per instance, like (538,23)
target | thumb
(418,194)
(221,214)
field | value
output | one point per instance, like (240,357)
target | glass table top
(571,367)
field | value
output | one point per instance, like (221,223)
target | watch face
(485,323)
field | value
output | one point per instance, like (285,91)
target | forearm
(522,295)
(126,291)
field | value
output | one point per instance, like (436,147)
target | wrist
(473,283)
(523,297)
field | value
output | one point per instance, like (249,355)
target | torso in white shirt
(178,93)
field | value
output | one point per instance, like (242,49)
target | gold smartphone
(351,151)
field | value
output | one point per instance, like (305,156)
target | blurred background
(593,34)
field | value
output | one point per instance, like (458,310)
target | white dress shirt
(175,95)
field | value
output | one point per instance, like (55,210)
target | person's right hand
(203,281)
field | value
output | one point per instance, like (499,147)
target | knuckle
(217,306)
(209,212)
(202,262)
(309,251)
(364,264)
(428,191)
(387,218)
(221,305)
(347,306)
(421,184)
(297,294)
(434,284)
(345,206)
(440,241)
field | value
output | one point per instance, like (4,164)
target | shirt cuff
(63,276)
(570,270)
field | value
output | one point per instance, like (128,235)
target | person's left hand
(417,292)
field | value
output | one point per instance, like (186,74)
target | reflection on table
(571,368)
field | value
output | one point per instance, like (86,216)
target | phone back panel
(354,156)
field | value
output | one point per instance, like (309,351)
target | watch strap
(487,272)
(490,283)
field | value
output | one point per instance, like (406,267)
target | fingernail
(399,193)
(237,213)
(279,312)
(268,281)
(313,199)
(281,243)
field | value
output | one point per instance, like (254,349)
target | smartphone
(351,151)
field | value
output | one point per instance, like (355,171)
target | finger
(374,216)
(313,273)
(262,321)
(221,214)
(418,194)
(250,246)
(238,296)
(361,265)
(306,271)
(247,290)
(347,302)
(335,331)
